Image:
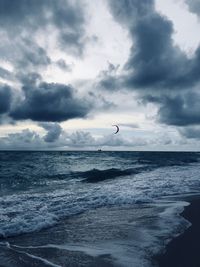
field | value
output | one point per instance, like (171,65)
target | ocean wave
(56,190)
(96,175)
(147,235)
(34,213)
(25,212)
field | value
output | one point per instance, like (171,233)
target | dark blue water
(21,171)
(40,190)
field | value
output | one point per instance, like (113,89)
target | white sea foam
(149,233)
(43,261)
(22,213)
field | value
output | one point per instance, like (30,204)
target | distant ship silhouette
(99,150)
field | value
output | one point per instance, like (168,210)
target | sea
(92,208)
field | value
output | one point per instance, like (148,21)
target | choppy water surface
(122,204)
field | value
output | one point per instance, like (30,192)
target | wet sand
(184,250)
(104,237)
(101,237)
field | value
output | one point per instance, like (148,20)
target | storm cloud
(51,102)
(194,6)
(5,98)
(179,110)
(157,69)
(53,131)
(25,28)
(191,132)
(28,28)
(155,62)
(20,19)
(51,72)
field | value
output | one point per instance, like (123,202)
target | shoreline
(183,251)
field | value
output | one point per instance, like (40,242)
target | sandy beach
(184,251)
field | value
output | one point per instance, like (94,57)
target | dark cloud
(191,132)
(157,69)
(179,110)
(66,16)
(22,22)
(32,78)
(47,102)
(110,83)
(53,131)
(25,28)
(107,78)
(5,98)
(194,6)
(99,101)
(33,55)
(20,13)
(50,102)
(72,43)
(129,11)
(69,18)
(23,54)
(154,61)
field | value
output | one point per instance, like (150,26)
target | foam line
(46,262)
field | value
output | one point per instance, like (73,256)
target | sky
(71,69)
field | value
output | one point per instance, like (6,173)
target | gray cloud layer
(53,131)
(191,132)
(57,138)
(157,69)
(21,19)
(5,74)
(179,110)
(194,6)
(154,61)
(21,22)
(5,98)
